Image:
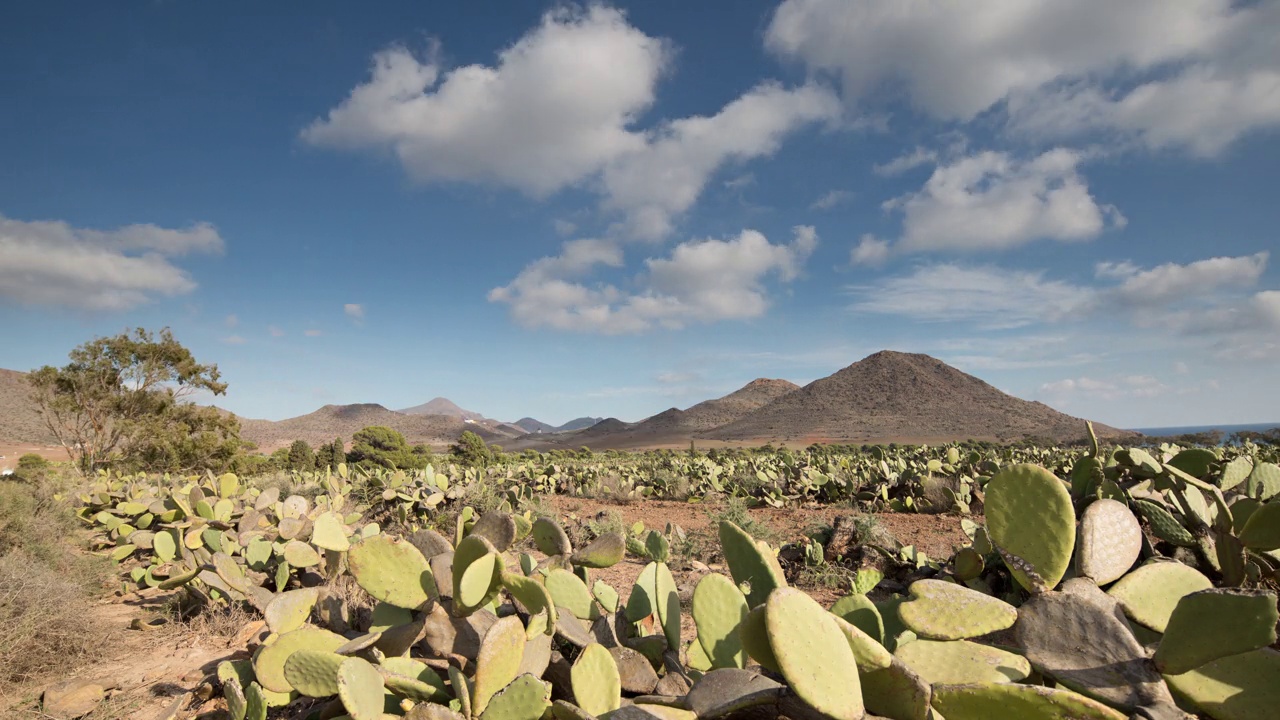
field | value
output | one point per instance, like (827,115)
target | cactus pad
(550,538)
(718,610)
(1110,541)
(605,551)
(945,611)
(233,694)
(859,611)
(869,654)
(392,570)
(596,684)
(477,574)
(255,702)
(812,653)
(1237,687)
(499,660)
(896,692)
(1235,472)
(1262,530)
(525,698)
(755,639)
(729,692)
(667,600)
(1027,702)
(944,662)
(419,672)
(755,570)
(1032,524)
(533,595)
(1149,594)
(1164,525)
(289,610)
(1212,624)
(268,663)
(360,689)
(329,533)
(641,603)
(498,528)
(313,673)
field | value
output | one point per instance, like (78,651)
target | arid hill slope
(19,419)
(893,395)
(441,406)
(332,421)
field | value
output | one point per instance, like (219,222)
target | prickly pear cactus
(718,610)
(756,571)
(813,654)
(1110,541)
(392,571)
(946,611)
(1032,523)
(1212,624)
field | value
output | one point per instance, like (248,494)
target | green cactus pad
(869,654)
(1264,481)
(300,554)
(668,604)
(1237,687)
(657,547)
(718,610)
(289,610)
(550,538)
(525,698)
(1149,594)
(1196,462)
(641,603)
(859,611)
(461,690)
(329,533)
(1262,530)
(968,564)
(428,685)
(1163,524)
(896,692)
(1212,624)
(569,592)
(812,653)
(477,574)
(392,571)
(943,610)
(164,546)
(255,703)
(1110,541)
(234,696)
(1235,472)
(944,662)
(533,595)
(313,673)
(386,616)
(755,570)
(1025,702)
(597,688)
(605,551)
(268,663)
(1032,523)
(361,690)
(754,634)
(604,594)
(499,660)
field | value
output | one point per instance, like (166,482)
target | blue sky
(560,210)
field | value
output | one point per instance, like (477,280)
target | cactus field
(1095,583)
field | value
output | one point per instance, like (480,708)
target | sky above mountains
(561,210)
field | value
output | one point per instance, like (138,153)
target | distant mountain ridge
(343,421)
(441,406)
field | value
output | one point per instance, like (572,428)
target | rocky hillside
(332,421)
(904,397)
(442,406)
(19,419)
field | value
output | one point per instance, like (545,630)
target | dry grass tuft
(45,617)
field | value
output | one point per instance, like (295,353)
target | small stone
(635,671)
(699,566)
(72,698)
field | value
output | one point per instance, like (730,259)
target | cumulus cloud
(1196,74)
(870,250)
(993,201)
(53,263)
(699,282)
(557,109)
(1213,296)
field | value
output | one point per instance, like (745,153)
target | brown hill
(343,421)
(905,397)
(20,422)
(441,406)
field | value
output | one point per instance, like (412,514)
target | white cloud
(700,282)
(870,250)
(902,163)
(1196,73)
(677,378)
(564,228)
(557,110)
(992,201)
(1171,281)
(234,340)
(1130,386)
(991,297)
(53,263)
(741,181)
(832,198)
(355,311)
(653,184)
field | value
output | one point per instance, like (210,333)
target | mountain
(530,425)
(343,421)
(441,406)
(581,423)
(905,397)
(19,419)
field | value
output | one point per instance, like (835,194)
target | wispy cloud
(832,198)
(234,340)
(355,311)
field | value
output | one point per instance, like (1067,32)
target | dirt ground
(160,672)
(11,451)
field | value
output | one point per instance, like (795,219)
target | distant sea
(1191,429)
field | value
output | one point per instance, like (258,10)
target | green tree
(380,446)
(471,450)
(330,455)
(127,398)
(301,456)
